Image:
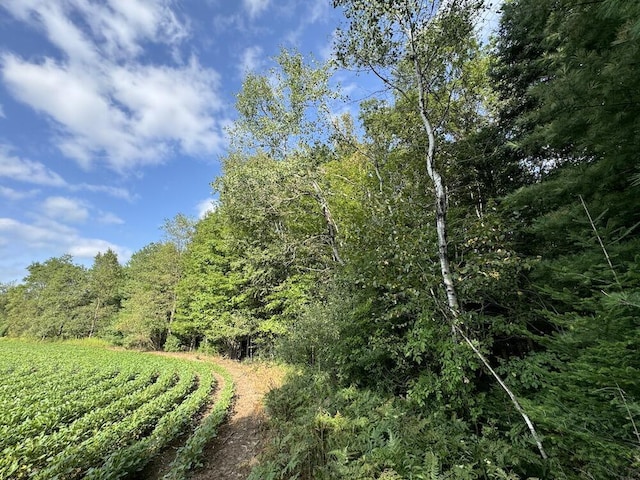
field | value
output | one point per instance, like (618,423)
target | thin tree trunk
(332,228)
(172,313)
(604,249)
(506,388)
(441,201)
(94,321)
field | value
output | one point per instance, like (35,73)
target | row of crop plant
(71,411)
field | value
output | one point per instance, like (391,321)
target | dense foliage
(461,259)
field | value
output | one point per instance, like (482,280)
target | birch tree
(418,48)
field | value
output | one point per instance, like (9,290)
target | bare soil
(234,451)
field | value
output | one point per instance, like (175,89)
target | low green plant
(73,409)
(322,430)
(189,456)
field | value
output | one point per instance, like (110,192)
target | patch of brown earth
(234,452)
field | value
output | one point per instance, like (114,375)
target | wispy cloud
(14,195)
(252,60)
(205,206)
(2,115)
(115,192)
(107,105)
(172,105)
(326,50)
(255,7)
(227,23)
(90,247)
(49,237)
(112,29)
(35,236)
(108,218)
(319,11)
(315,12)
(71,210)
(23,170)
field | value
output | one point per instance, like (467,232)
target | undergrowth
(323,431)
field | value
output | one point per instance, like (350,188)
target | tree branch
(505,387)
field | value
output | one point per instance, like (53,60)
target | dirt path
(234,451)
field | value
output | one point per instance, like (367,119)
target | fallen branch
(506,388)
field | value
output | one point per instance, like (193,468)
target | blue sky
(112,113)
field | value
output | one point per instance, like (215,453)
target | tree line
(464,254)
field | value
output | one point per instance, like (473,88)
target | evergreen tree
(578,227)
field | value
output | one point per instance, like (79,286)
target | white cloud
(106,105)
(65,209)
(113,28)
(205,206)
(108,218)
(227,23)
(127,116)
(319,11)
(90,124)
(48,234)
(174,105)
(122,24)
(2,115)
(28,171)
(326,50)
(315,12)
(24,170)
(12,194)
(255,7)
(50,238)
(90,247)
(12,270)
(252,60)
(116,192)
(64,34)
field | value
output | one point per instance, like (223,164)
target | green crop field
(77,411)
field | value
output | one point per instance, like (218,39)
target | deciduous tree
(149,296)
(106,278)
